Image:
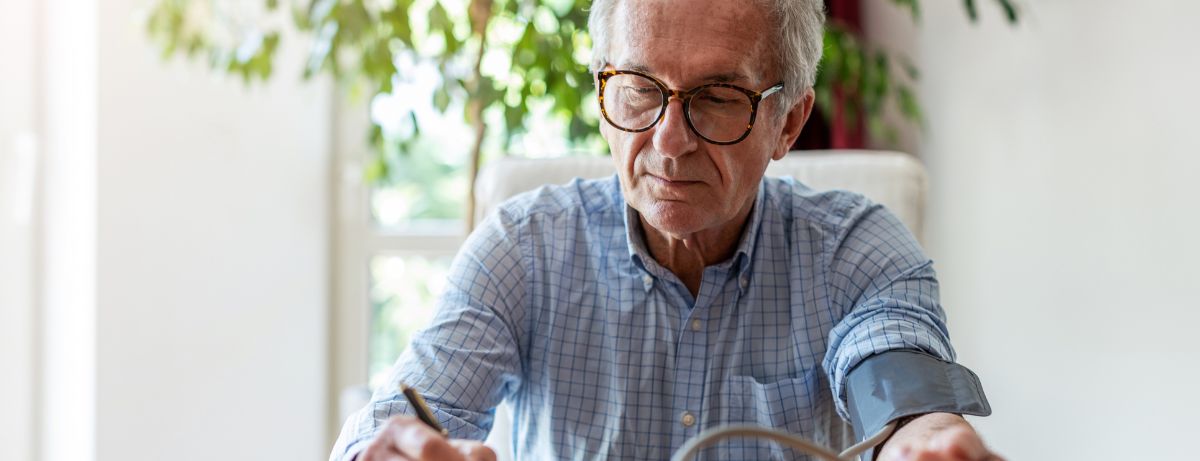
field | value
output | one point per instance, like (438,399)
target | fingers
(380,449)
(405,438)
(474,451)
(413,439)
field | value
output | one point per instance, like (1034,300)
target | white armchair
(893,179)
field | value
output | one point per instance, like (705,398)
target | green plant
(856,81)
(536,50)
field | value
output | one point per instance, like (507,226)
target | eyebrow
(721,77)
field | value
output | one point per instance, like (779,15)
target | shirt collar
(640,253)
(749,239)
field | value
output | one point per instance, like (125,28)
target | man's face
(678,182)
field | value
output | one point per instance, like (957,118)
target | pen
(422,409)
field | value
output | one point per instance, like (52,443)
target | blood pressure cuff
(895,384)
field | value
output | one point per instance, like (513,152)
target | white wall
(213,241)
(66,283)
(184,229)
(1064,163)
(17,169)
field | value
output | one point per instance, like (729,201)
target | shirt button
(745,282)
(688,419)
(648,281)
(695,324)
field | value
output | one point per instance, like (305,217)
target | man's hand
(936,437)
(405,438)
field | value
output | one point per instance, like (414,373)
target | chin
(675,218)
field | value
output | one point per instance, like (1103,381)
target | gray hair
(798,40)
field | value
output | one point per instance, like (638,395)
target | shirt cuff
(351,453)
(895,384)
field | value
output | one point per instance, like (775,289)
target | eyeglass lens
(720,114)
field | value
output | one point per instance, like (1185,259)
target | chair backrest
(894,179)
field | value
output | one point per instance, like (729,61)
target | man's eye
(714,100)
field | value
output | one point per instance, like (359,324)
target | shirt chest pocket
(785,404)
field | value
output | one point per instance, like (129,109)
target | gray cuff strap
(900,383)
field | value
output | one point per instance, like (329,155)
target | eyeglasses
(719,113)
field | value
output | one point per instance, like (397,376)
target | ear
(793,122)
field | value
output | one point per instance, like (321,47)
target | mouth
(671,182)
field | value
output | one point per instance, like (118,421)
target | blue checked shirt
(555,305)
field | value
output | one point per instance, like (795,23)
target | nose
(672,136)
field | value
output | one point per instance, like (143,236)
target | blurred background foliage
(856,81)
(402,295)
(497,66)
(494,63)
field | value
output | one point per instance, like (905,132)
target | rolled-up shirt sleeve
(468,359)
(886,291)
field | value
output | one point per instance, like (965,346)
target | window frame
(357,240)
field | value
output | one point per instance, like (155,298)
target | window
(396,239)
(416,216)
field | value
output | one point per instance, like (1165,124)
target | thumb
(474,451)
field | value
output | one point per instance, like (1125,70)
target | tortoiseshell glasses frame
(685,97)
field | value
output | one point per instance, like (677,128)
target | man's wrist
(937,433)
(899,424)
(904,420)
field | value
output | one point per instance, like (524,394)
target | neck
(687,255)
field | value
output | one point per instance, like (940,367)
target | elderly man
(622,316)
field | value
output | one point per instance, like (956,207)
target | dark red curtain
(826,128)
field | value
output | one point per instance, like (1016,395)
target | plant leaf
(1010,10)
(972,12)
